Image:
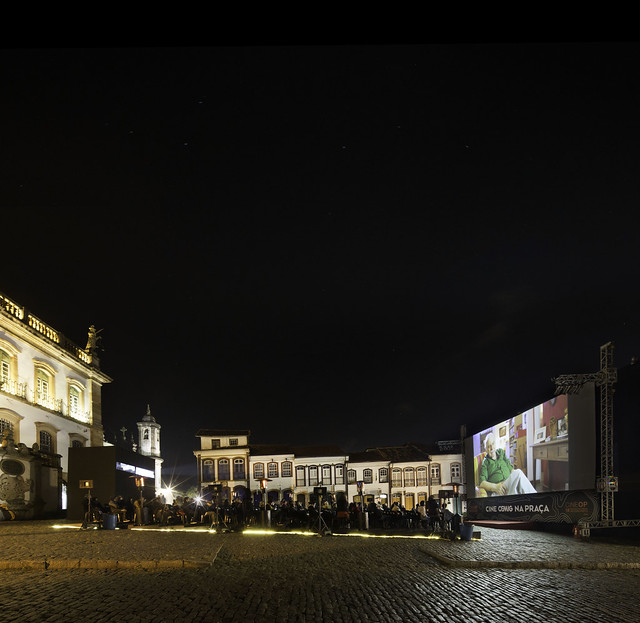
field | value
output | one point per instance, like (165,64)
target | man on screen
(497,476)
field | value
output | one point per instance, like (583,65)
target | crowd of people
(334,515)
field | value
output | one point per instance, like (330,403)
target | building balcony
(9,386)
(44,400)
(21,390)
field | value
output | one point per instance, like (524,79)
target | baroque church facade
(51,403)
(50,397)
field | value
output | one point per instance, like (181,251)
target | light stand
(320,492)
(87,484)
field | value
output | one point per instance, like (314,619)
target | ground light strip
(274,532)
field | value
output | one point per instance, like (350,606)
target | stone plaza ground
(193,575)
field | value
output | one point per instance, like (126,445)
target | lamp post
(360,485)
(140,484)
(263,486)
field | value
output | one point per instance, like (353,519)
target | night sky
(355,245)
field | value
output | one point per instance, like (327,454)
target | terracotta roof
(396,454)
(217,432)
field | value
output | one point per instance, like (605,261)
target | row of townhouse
(406,474)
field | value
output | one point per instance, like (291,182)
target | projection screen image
(528,453)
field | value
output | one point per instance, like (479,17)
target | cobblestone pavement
(136,576)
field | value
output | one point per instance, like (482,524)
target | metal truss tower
(607,483)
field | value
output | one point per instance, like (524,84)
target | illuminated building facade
(149,444)
(223,460)
(277,472)
(50,388)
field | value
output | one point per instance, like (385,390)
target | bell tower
(149,443)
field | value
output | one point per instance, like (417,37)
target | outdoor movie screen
(528,453)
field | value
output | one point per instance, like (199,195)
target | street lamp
(263,486)
(139,480)
(360,485)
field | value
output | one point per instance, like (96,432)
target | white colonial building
(232,466)
(50,388)
(223,461)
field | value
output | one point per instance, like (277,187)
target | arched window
(258,470)
(383,474)
(313,475)
(300,479)
(76,443)
(421,473)
(409,477)
(9,369)
(5,367)
(326,474)
(238,469)
(146,433)
(339,474)
(351,476)
(75,399)
(287,469)
(456,472)
(43,385)
(396,477)
(435,474)
(272,470)
(367,475)
(207,471)
(224,472)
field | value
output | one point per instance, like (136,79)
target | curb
(81,564)
(529,564)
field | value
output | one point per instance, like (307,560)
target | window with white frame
(287,469)
(75,401)
(238,469)
(383,474)
(272,470)
(421,474)
(396,477)
(207,471)
(43,383)
(300,476)
(224,471)
(258,470)
(339,474)
(233,442)
(351,476)
(5,367)
(435,473)
(409,477)
(313,475)
(456,472)
(367,475)
(326,474)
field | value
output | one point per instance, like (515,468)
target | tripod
(321,521)
(221,526)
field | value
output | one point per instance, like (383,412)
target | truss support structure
(607,483)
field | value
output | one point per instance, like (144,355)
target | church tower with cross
(149,443)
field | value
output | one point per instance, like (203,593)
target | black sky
(360,245)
